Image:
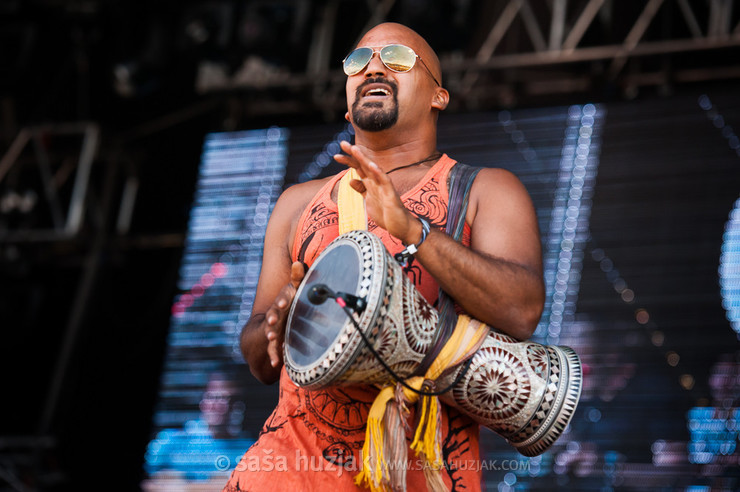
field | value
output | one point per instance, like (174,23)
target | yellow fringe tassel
(426,439)
(464,341)
(374,462)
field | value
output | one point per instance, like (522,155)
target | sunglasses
(395,57)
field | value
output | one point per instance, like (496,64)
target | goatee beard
(371,116)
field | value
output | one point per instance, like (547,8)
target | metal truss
(578,44)
(657,27)
(66,215)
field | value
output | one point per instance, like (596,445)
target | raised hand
(383,204)
(277,315)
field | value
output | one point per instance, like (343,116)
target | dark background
(101,298)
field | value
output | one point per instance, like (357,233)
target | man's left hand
(383,204)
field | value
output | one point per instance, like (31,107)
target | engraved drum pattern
(523,391)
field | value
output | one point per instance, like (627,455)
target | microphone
(318,293)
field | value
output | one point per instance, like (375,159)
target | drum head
(314,328)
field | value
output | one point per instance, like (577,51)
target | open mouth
(376,90)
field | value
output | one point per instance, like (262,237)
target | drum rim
(564,407)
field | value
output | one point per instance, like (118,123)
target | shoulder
(492,183)
(491,177)
(496,188)
(283,223)
(296,198)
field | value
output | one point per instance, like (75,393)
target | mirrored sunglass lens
(357,60)
(398,57)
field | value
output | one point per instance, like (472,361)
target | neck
(428,161)
(389,154)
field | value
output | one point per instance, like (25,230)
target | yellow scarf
(351,205)
(384,451)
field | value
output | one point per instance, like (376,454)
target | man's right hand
(261,340)
(277,315)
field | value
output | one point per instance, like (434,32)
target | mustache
(376,80)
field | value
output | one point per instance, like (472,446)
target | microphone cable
(390,371)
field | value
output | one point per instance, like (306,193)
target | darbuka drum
(524,391)
(322,346)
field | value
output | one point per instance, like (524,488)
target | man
(497,279)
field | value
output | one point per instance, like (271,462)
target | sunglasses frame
(379,52)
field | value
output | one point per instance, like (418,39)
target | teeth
(376,92)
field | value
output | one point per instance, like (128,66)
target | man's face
(377,97)
(374,108)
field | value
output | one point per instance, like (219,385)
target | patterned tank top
(312,440)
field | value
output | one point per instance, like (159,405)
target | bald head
(384,103)
(391,32)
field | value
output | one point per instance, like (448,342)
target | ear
(441,99)
(346,117)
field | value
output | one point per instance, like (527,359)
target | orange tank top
(319,223)
(312,440)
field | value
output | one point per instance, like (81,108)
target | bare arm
(261,339)
(499,279)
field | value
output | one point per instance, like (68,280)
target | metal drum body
(524,391)
(322,346)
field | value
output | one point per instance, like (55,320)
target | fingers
(383,203)
(356,159)
(349,159)
(297,271)
(276,316)
(274,331)
(275,352)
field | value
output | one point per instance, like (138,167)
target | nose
(375,67)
